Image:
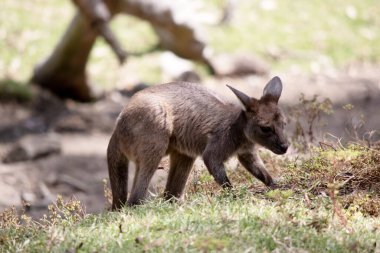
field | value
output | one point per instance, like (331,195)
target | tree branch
(98,16)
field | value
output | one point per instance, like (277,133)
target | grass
(249,218)
(202,224)
(305,35)
(28,33)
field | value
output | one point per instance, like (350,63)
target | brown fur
(185,120)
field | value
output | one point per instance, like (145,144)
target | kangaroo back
(185,112)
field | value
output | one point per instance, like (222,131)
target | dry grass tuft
(365,171)
(362,202)
(352,174)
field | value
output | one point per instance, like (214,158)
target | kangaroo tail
(118,173)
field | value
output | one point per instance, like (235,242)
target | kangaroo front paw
(275,184)
(268,181)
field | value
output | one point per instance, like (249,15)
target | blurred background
(68,67)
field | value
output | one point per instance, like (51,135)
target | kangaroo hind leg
(145,169)
(118,173)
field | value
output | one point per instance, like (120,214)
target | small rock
(189,76)
(136,88)
(138,240)
(238,65)
(31,148)
(71,123)
(28,197)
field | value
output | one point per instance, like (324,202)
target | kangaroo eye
(265,129)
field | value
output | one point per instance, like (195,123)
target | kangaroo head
(265,121)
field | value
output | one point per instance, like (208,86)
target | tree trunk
(64,71)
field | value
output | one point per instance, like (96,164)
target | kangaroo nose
(284,147)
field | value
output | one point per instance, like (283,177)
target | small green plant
(306,116)
(279,195)
(62,211)
(9,218)
(355,128)
(13,90)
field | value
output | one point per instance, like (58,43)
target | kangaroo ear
(273,89)
(245,99)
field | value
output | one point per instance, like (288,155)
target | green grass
(10,90)
(28,33)
(219,223)
(303,34)
(211,220)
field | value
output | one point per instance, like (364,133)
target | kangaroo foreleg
(253,163)
(216,168)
